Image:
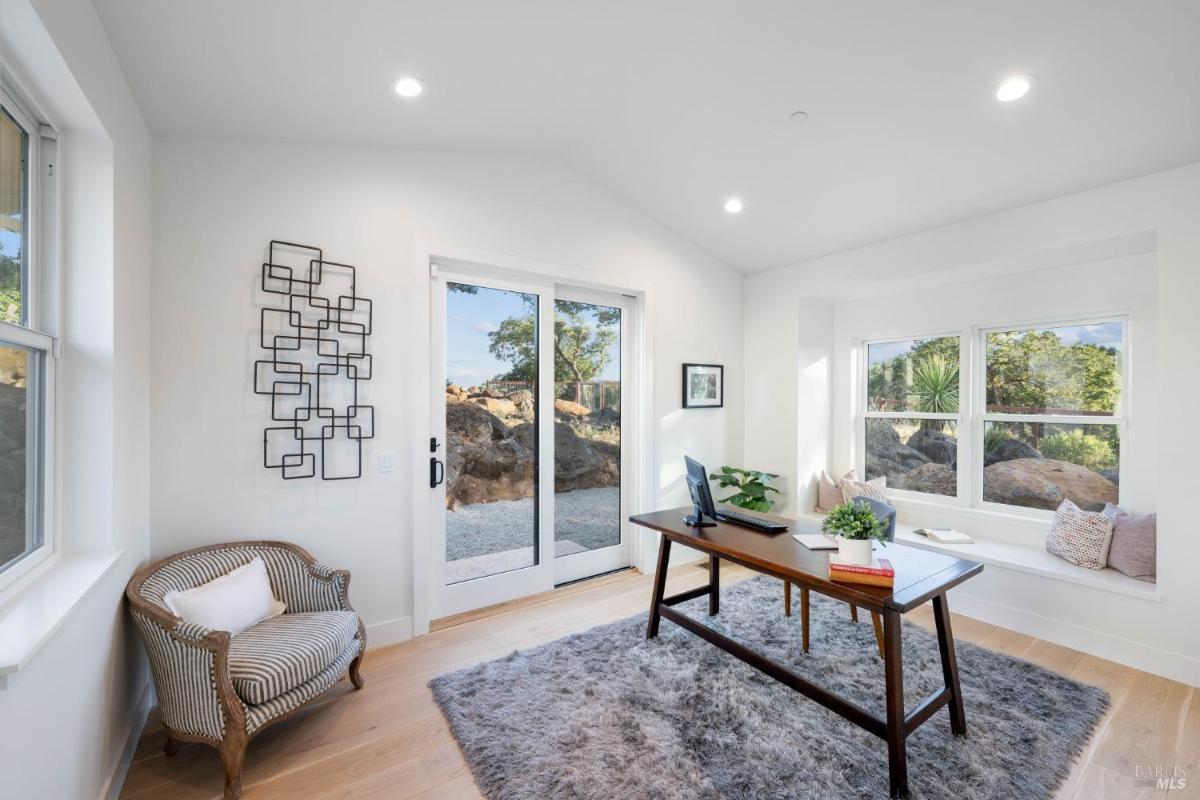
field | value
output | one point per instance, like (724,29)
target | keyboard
(748,521)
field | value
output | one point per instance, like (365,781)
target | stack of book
(878,573)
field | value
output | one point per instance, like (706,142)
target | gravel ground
(589,517)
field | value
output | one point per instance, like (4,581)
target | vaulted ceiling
(678,104)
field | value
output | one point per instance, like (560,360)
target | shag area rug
(607,714)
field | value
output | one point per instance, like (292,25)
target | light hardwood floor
(390,740)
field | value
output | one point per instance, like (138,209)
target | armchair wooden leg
(804,617)
(854,613)
(355,676)
(233,756)
(878,623)
(787,598)
(171,746)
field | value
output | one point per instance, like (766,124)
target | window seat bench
(1025,558)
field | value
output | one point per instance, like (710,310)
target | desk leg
(787,598)
(804,617)
(894,679)
(941,616)
(714,586)
(660,585)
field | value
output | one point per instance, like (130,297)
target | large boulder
(938,447)
(570,409)
(523,400)
(455,393)
(500,406)
(485,462)
(885,453)
(1009,450)
(1045,483)
(579,463)
(880,434)
(931,478)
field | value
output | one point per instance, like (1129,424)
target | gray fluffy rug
(607,714)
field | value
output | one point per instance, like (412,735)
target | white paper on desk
(816,541)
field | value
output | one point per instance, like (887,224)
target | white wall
(217,204)
(69,714)
(1088,242)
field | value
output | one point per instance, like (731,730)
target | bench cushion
(281,653)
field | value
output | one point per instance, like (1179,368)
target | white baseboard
(392,631)
(141,709)
(1139,655)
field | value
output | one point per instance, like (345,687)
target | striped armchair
(223,690)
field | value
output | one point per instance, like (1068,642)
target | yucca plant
(935,383)
(751,487)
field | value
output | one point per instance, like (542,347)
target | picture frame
(703,385)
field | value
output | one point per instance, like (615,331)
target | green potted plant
(751,486)
(855,526)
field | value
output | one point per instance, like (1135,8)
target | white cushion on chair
(232,602)
(281,653)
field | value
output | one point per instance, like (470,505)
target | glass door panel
(587,427)
(491,416)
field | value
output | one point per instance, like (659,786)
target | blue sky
(1107,334)
(469,319)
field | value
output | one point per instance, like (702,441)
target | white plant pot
(854,551)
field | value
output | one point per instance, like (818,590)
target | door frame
(429,254)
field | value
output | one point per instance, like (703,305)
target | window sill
(29,619)
(1030,560)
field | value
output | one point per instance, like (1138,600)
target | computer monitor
(702,501)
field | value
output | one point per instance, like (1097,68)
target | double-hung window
(912,418)
(26,348)
(1011,416)
(1052,407)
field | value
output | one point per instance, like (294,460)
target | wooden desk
(920,576)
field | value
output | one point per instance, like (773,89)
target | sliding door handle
(437,472)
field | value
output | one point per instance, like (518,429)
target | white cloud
(486,327)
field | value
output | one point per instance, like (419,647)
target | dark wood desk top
(920,574)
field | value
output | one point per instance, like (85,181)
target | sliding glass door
(526,458)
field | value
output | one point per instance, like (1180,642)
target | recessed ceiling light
(1014,88)
(733,205)
(408,87)
(799,117)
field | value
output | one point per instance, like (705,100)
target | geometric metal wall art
(315,334)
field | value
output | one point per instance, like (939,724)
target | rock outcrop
(1045,483)
(1009,450)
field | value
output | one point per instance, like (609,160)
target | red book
(879,567)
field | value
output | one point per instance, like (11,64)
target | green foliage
(751,487)
(893,385)
(10,289)
(583,337)
(993,436)
(935,383)
(1079,448)
(1035,370)
(855,520)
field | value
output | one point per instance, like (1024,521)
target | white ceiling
(677,104)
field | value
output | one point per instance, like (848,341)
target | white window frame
(864,413)
(40,305)
(973,416)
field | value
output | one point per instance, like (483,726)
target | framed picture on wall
(703,385)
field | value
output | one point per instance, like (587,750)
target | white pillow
(876,489)
(232,602)
(1081,537)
